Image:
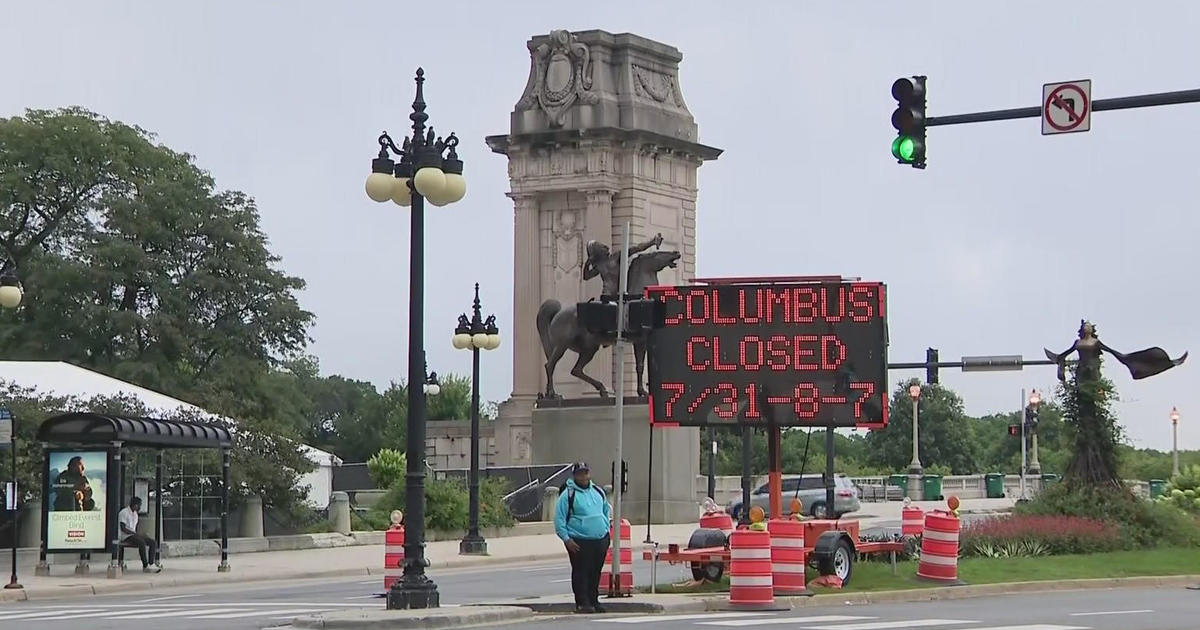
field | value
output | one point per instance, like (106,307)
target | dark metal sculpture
(559,327)
(1141,364)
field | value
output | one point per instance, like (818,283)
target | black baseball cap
(578,466)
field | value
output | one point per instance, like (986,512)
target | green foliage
(1087,408)
(1184,490)
(1141,523)
(947,437)
(387,467)
(447,503)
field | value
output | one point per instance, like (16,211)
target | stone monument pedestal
(567,431)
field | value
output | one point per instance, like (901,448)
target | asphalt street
(261,605)
(1110,609)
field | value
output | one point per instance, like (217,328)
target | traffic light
(909,121)
(1031,417)
(931,366)
(598,318)
(1014,429)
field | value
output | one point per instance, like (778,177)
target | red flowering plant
(1030,535)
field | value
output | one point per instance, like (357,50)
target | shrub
(1140,523)
(1184,490)
(447,503)
(387,467)
(1033,535)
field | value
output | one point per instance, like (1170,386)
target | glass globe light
(914,391)
(493,341)
(456,187)
(433,389)
(461,341)
(401,193)
(380,186)
(479,340)
(430,182)
(10,294)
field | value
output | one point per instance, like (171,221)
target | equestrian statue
(559,327)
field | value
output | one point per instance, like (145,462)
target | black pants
(585,570)
(144,544)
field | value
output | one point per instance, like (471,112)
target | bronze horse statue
(559,328)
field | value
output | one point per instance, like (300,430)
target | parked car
(810,489)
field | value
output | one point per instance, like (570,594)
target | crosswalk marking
(661,618)
(264,613)
(1111,612)
(176,613)
(40,613)
(798,621)
(1035,626)
(884,625)
(66,615)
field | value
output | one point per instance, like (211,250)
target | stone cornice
(503,144)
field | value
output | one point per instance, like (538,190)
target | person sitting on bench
(146,546)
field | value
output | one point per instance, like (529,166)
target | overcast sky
(999,247)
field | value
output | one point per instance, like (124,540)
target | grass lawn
(877,576)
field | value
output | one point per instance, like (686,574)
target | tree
(945,432)
(134,265)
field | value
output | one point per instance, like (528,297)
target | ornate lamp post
(1174,442)
(914,468)
(1035,400)
(431,387)
(475,334)
(422,174)
(10,297)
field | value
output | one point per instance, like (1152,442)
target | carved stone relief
(560,74)
(567,253)
(656,86)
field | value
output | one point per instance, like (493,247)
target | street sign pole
(11,420)
(618,468)
(1021,419)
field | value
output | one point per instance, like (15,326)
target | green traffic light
(903,148)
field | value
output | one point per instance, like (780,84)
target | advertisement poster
(76,500)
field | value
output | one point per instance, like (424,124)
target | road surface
(261,605)
(1109,609)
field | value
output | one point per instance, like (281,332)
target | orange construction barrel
(393,555)
(939,548)
(912,521)
(751,585)
(787,556)
(609,585)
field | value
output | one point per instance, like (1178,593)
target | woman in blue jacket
(582,520)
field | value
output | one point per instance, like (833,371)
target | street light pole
(10,297)
(1174,442)
(1021,419)
(422,174)
(1035,400)
(915,491)
(475,334)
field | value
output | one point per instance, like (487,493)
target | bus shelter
(83,483)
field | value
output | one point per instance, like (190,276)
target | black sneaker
(584,610)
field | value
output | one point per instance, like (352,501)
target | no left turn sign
(1066,107)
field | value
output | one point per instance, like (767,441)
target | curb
(123,586)
(428,618)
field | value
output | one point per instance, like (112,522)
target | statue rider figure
(601,262)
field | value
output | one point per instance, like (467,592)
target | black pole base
(13,585)
(472,546)
(413,593)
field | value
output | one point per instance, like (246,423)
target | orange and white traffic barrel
(625,586)
(912,521)
(787,556)
(939,548)
(393,555)
(717,520)
(751,582)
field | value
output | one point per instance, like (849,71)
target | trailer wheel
(710,572)
(839,563)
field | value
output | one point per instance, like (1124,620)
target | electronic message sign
(796,354)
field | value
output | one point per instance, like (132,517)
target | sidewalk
(287,565)
(358,560)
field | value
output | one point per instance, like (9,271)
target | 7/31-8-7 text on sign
(796,354)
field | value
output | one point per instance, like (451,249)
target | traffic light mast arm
(1101,105)
(968,364)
